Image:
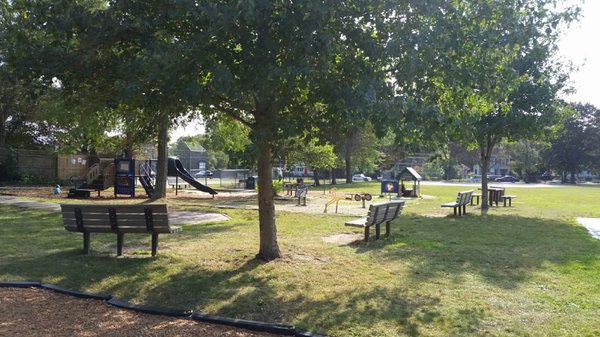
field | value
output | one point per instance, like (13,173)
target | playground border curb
(149,310)
(20,284)
(276,328)
(282,329)
(102,297)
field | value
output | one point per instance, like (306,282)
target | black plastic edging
(19,284)
(150,310)
(282,329)
(103,297)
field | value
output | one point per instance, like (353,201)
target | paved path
(592,225)
(175,218)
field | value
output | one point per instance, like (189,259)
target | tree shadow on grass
(503,250)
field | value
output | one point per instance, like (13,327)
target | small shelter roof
(196,147)
(409,173)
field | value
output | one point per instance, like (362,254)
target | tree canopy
(478,70)
(497,77)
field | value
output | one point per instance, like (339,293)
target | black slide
(177,169)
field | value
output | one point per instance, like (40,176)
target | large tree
(257,62)
(497,78)
(575,146)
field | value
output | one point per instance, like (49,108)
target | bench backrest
(114,218)
(384,211)
(464,197)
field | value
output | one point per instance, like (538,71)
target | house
(498,167)
(193,157)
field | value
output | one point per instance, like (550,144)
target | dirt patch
(226,199)
(40,312)
(343,239)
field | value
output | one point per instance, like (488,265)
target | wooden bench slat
(136,218)
(378,214)
(94,218)
(462,199)
(99,208)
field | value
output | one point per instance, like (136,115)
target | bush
(277,186)
(33,179)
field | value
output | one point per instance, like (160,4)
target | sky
(580,44)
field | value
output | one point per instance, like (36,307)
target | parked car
(507,179)
(203,173)
(360,177)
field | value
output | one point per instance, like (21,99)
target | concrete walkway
(592,225)
(175,218)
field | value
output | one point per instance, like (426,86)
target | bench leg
(454,210)
(154,243)
(387,228)
(377,231)
(120,244)
(86,242)
(464,208)
(367,233)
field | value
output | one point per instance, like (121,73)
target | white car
(360,177)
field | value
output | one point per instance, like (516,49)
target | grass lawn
(528,270)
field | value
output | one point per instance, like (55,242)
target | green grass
(528,270)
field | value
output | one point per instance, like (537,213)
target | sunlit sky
(580,45)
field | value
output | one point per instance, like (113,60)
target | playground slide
(177,169)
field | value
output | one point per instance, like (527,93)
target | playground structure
(397,187)
(99,177)
(359,197)
(335,199)
(121,173)
(356,196)
(410,174)
(301,194)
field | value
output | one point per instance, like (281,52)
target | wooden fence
(49,166)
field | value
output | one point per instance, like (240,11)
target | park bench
(378,214)
(508,197)
(497,194)
(462,199)
(119,219)
(475,196)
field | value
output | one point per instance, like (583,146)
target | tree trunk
(2,132)
(316,176)
(269,249)
(348,159)
(160,190)
(485,167)
(333,180)
(485,148)
(128,146)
